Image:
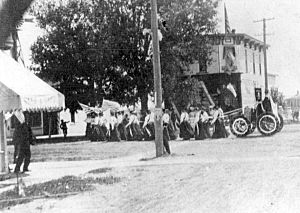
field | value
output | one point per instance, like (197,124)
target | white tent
(22,90)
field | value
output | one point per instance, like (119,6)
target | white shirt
(221,113)
(204,116)
(113,121)
(197,116)
(146,121)
(151,120)
(166,118)
(184,117)
(133,119)
(103,122)
(119,118)
(215,116)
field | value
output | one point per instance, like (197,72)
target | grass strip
(61,187)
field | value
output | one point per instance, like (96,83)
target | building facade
(237,64)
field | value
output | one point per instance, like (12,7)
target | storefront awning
(20,89)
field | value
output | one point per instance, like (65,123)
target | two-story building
(236,66)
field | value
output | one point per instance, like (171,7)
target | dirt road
(253,174)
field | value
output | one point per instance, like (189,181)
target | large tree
(102,46)
(128,23)
(184,43)
(75,51)
(182,24)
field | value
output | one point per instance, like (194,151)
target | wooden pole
(265,55)
(265,50)
(50,124)
(157,81)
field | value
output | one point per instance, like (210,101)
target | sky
(28,35)
(284,39)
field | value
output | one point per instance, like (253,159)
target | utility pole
(157,81)
(265,49)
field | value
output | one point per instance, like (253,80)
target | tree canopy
(100,48)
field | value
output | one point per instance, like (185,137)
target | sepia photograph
(149,106)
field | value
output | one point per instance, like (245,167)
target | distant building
(236,60)
(272,81)
(293,102)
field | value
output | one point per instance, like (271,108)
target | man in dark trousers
(23,137)
(63,126)
(266,103)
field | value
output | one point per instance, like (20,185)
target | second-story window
(246,60)
(260,64)
(253,63)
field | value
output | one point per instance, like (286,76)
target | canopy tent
(22,90)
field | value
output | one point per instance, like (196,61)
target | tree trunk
(92,93)
(144,105)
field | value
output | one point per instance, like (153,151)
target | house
(236,65)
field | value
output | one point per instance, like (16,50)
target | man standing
(23,137)
(267,102)
(166,136)
(63,126)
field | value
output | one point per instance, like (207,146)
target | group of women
(116,127)
(192,123)
(197,123)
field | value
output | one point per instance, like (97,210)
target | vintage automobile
(248,119)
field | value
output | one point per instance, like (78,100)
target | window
(73,117)
(34,119)
(260,64)
(246,61)
(228,49)
(253,63)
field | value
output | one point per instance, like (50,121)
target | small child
(63,126)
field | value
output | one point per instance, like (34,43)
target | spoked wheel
(240,126)
(267,124)
(280,125)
